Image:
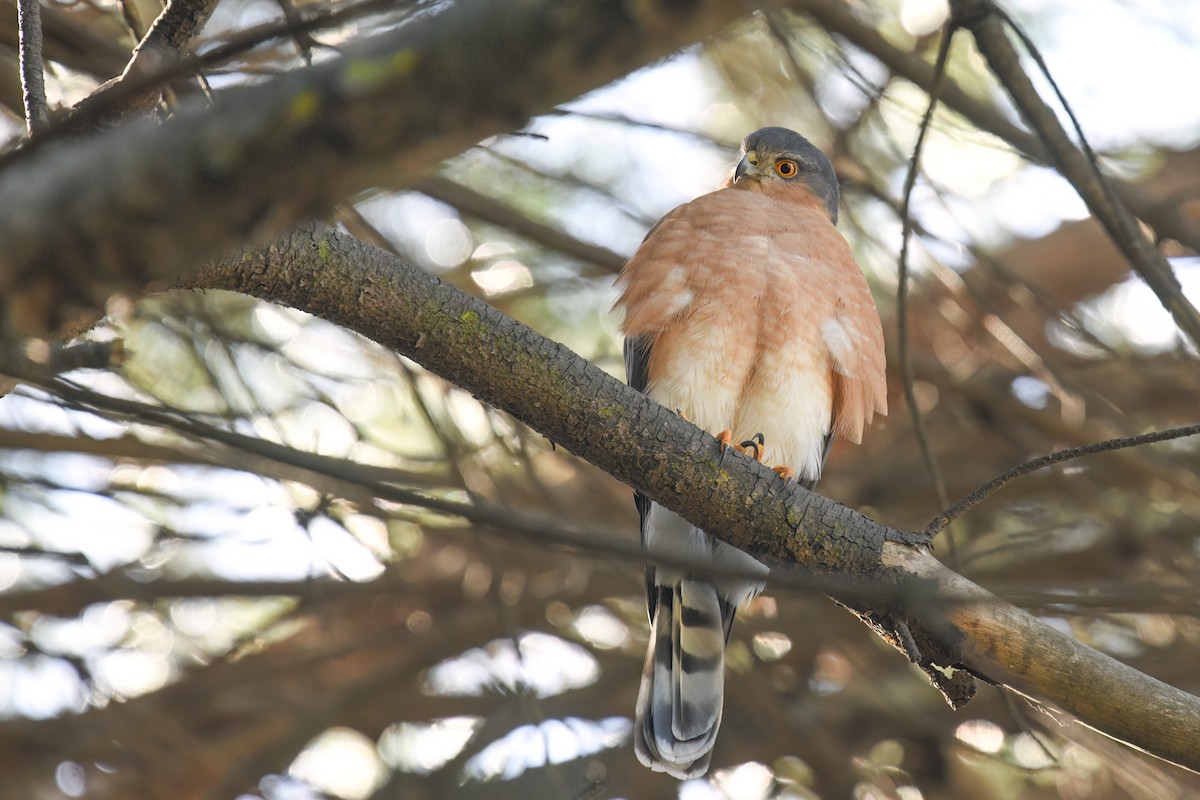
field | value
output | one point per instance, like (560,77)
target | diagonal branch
(742,502)
(119,212)
(163,45)
(939,523)
(480,206)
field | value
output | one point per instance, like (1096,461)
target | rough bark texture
(1014,649)
(938,617)
(513,368)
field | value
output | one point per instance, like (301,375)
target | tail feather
(698,667)
(683,681)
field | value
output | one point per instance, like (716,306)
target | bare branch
(1050,668)
(160,58)
(939,523)
(163,45)
(910,181)
(473,203)
(33,78)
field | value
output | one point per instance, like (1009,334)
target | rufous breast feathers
(759,274)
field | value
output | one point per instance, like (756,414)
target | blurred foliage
(185,618)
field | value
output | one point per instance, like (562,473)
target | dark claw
(757,441)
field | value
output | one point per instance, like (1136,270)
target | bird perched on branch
(746,312)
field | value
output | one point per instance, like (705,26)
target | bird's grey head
(779,155)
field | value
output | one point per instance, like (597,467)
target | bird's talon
(725,439)
(787,473)
(758,442)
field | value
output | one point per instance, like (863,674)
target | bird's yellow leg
(787,473)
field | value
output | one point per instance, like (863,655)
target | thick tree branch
(599,418)
(1048,667)
(508,365)
(117,211)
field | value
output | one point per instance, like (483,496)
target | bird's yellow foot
(755,446)
(787,473)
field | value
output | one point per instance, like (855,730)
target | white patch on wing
(674,296)
(791,263)
(842,341)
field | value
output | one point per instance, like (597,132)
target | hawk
(746,312)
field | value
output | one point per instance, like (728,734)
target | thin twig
(784,40)
(902,279)
(78,559)
(33,79)
(304,40)
(938,524)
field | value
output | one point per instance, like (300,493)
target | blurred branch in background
(1081,168)
(183,615)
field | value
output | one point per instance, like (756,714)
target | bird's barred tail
(683,680)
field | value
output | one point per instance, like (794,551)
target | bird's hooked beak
(747,167)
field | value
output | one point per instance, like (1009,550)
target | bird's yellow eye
(786,168)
